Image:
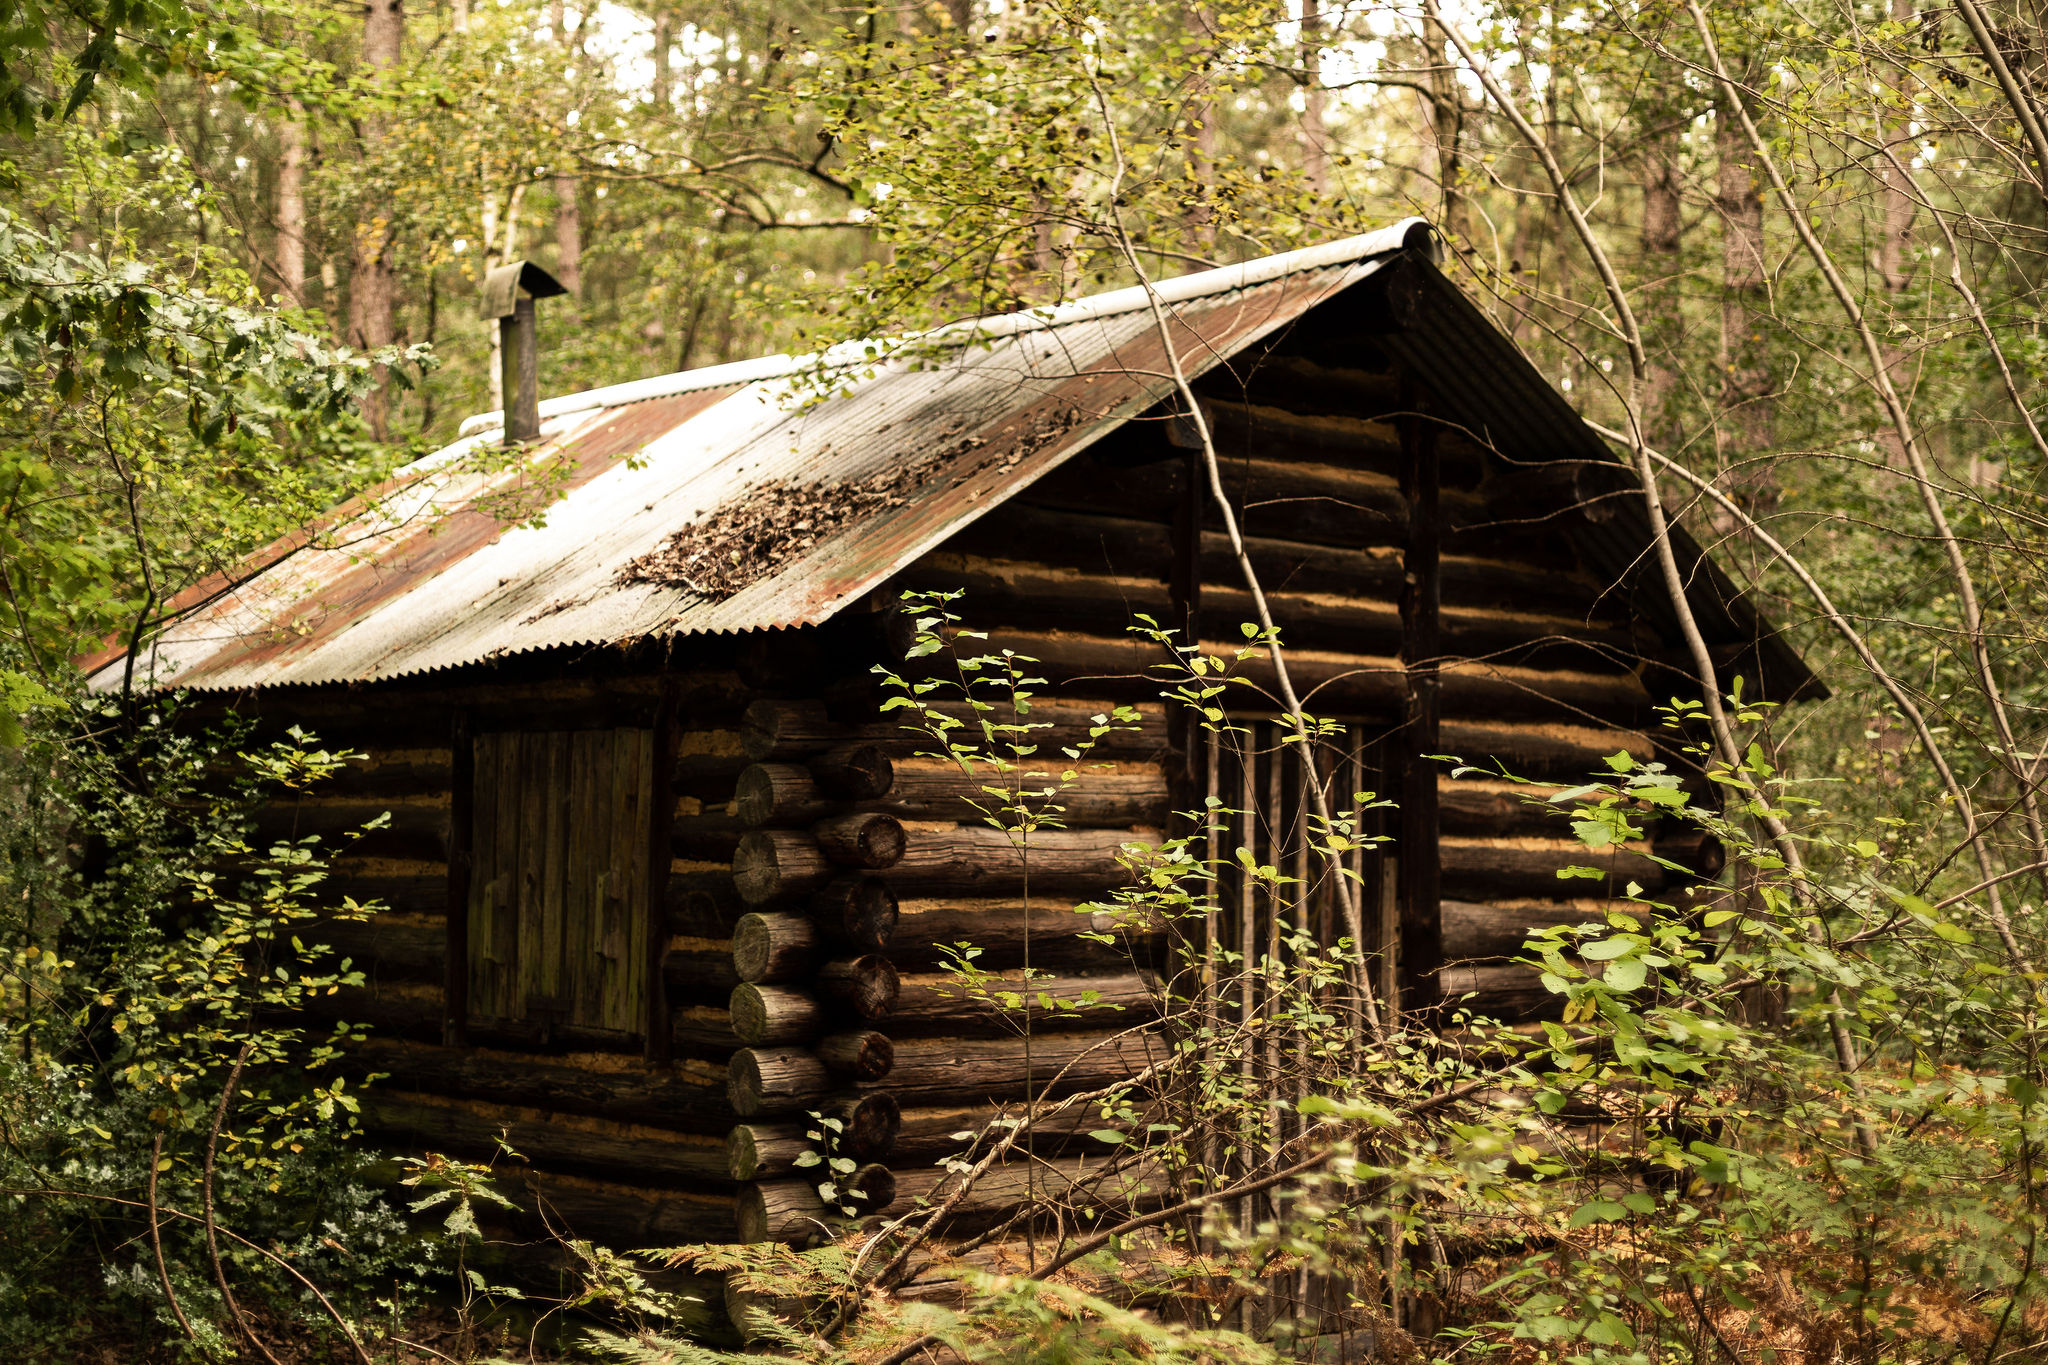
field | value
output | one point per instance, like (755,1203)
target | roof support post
(1420,889)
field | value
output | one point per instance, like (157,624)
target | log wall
(814,872)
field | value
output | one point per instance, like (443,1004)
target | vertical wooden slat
(578,872)
(484,892)
(461,866)
(532,800)
(1421,646)
(661,807)
(626,917)
(552,944)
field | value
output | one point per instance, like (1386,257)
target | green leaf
(1609,948)
(1108,1135)
(1625,975)
(1599,1211)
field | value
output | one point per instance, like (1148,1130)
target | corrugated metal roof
(466,556)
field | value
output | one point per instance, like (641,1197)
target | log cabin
(662,880)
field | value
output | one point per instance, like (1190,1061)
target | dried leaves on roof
(774,523)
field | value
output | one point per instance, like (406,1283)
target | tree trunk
(568,210)
(664,39)
(1895,242)
(1746,382)
(291,207)
(1315,155)
(1663,204)
(372,287)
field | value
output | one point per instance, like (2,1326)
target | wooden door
(558,898)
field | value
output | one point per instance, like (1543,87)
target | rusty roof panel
(451,565)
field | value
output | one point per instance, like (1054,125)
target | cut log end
(793,1211)
(857,911)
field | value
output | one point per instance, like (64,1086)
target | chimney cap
(502,286)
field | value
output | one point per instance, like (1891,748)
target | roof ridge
(1408,232)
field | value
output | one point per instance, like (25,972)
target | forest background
(1789,254)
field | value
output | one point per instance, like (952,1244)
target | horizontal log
(932,1136)
(781,731)
(775,947)
(853,772)
(706,834)
(415,1010)
(794,1212)
(944,1002)
(781,794)
(1477,931)
(779,864)
(860,839)
(865,987)
(702,1031)
(1335,684)
(857,1054)
(568,1142)
(935,789)
(762,1081)
(699,899)
(1308,386)
(1543,752)
(1489,869)
(689,1097)
(938,1071)
(795,794)
(423,891)
(357,828)
(394,1009)
(387,773)
(1002,930)
(855,911)
(1241,430)
(1510,994)
(699,965)
(772,947)
(388,946)
(1094,542)
(972,860)
(766,1082)
(868,1125)
(1321,503)
(777,1016)
(618,1214)
(709,777)
(1066,1182)
(1009,593)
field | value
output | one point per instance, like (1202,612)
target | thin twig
(220,1273)
(156,1241)
(1343,888)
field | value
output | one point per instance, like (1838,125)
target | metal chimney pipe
(509,295)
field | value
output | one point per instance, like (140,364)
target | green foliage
(150,987)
